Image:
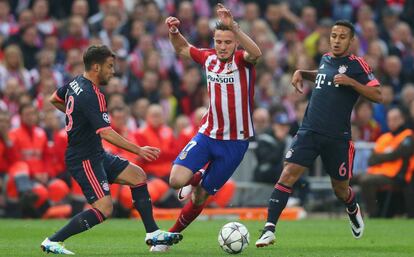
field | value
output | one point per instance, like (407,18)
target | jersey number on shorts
(342,170)
(69,110)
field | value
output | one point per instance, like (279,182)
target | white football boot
(161,237)
(357,223)
(267,238)
(54,247)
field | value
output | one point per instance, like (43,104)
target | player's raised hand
(297,81)
(343,80)
(224,15)
(149,153)
(173,23)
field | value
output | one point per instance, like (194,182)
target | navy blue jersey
(86,116)
(330,106)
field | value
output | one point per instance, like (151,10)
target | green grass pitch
(310,237)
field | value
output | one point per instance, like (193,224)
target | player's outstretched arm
(181,45)
(252,51)
(372,93)
(148,153)
(57,103)
(300,75)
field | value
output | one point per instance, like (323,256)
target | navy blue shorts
(94,175)
(337,154)
(223,156)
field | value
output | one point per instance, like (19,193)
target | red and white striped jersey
(231,91)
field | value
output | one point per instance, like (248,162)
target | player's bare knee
(141,176)
(176,182)
(288,178)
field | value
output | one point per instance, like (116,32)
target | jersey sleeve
(240,61)
(94,108)
(60,93)
(199,55)
(364,74)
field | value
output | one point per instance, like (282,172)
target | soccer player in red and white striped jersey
(221,141)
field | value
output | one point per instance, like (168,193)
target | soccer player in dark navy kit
(326,128)
(87,122)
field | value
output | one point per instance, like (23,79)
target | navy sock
(81,222)
(350,203)
(142,202)
(277,203)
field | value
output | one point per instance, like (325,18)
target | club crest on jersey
(105,186)
(105,117)
(289,154)
(342,69)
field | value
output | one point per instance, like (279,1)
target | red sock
(189,213)
(195,180)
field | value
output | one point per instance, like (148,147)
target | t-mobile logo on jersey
(320,79)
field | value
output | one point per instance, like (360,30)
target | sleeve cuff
(102,129)
(58,98)
(373,83)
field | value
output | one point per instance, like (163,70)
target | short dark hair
(347,24)
(96,54)
(221,26)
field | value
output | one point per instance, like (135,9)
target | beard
(226,59)
(102,80)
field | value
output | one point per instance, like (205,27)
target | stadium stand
(42,42)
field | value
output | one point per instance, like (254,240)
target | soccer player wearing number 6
(221,140)
(87,122)
(326,128)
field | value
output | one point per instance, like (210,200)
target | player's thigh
(304,149)
(194,155)
(227,157)
(91,177)
(114,166)
(338,158)
(132,175)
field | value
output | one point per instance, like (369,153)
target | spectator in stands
(381,109)
(13,67)
(390,163)
(271,149)
(160,135)
(203,36)
(392,73)
(402,40)
(11,94)
(168,101)
(5,146)
(369,129)
(192,92)
(270,152)
(44,23)
(407,95)
(300,109)
(29,45)
(261,120)
(8,24)
(28,184)
(251,14)
(75,37)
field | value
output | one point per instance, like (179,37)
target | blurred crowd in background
(157,99)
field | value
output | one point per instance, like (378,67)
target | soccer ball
(233,237)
